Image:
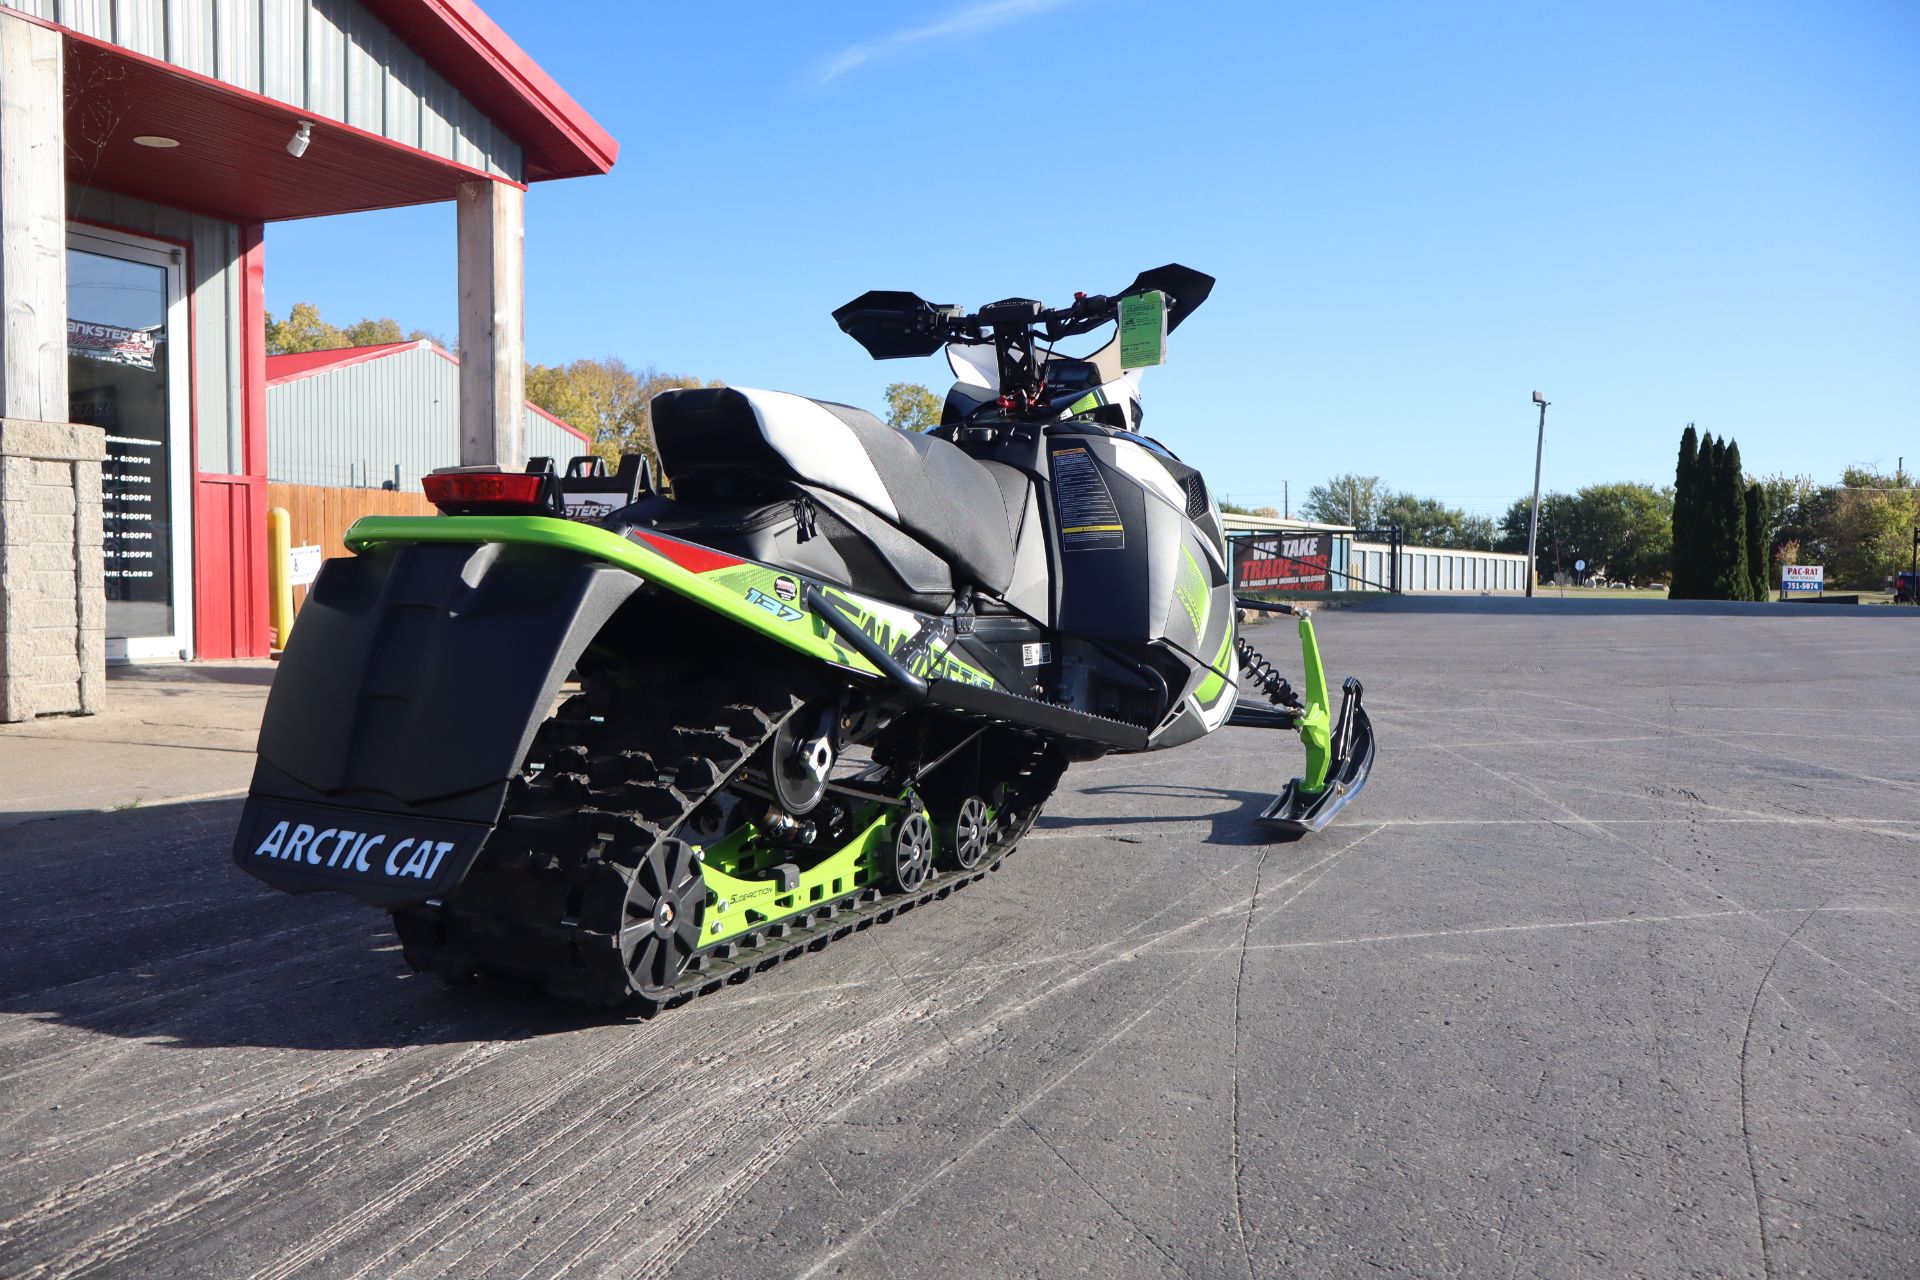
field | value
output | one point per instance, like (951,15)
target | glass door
(126,360)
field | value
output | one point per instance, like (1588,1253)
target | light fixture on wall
(155,140)
(297,144)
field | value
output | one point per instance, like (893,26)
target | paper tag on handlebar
(1143,329)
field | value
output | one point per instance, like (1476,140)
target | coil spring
(1263,673)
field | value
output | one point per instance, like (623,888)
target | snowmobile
(632,741)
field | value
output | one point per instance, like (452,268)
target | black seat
(922,484)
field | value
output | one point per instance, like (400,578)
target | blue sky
(1654,213)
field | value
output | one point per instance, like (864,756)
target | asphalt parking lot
(1609,972)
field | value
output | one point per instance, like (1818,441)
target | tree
(911,407)
(1428,522)
(1624,529)
(302,330)
(1722,514)
(1346,499)
(1788,504)
(1685,536)
(606,399)
(1863,527)
(305,330)
(1757,544)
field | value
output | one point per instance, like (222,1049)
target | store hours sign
(117,381)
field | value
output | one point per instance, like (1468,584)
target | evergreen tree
(1727,501)
(1706,472)
(1681,583)
(1759,571)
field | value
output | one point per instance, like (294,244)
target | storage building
(380,417)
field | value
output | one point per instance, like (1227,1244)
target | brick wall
(53,648)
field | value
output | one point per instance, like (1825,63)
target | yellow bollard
(279,573)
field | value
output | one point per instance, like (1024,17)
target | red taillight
(483,488)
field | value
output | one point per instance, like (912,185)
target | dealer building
(144,146)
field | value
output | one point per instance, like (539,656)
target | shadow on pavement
(1197,804)
(1600,606)
(137,925)
(253,673)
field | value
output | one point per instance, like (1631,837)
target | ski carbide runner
(522,912)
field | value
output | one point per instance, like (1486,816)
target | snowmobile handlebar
(892,324)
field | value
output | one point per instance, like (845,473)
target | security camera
(297,144)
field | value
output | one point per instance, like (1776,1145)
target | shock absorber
(1263,673)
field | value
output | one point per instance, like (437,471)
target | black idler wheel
(912,852)
(666,901)
(964,837)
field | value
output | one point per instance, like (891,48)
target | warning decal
(1088,519)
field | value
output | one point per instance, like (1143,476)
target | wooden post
(52,586)
(493,371)
(33,229)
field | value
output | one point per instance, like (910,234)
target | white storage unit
(1438,569)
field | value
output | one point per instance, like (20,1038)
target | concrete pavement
(169,733)
(1609,972)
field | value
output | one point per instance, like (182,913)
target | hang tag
(1143,329)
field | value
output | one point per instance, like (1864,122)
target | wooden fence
(320,517)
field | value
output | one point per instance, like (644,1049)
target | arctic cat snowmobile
(632,743)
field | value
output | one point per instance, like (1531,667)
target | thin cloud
(973,20)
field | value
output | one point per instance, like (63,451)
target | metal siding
(326,62)
(471,134)
(437,109)
(405,85)
(38,8)
(283,51)
(544,440)
(350,427)
(141,26)
(236,42)
(366,80)
(189,25)
(91,17)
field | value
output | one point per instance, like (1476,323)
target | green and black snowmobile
(633,742)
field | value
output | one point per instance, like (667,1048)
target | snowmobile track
(602,795)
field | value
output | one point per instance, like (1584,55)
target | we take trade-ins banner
(1282,562)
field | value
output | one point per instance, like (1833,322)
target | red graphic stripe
(687,555)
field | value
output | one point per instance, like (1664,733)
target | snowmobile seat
(921,484)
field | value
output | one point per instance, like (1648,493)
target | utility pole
(1533,526)
(1286,499)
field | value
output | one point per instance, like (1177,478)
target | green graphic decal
(730,591)
(1191,587)
(1216,682)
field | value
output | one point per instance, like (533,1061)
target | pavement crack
(1746,1127)
(1239,985)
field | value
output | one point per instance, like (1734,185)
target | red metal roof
(304,364)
